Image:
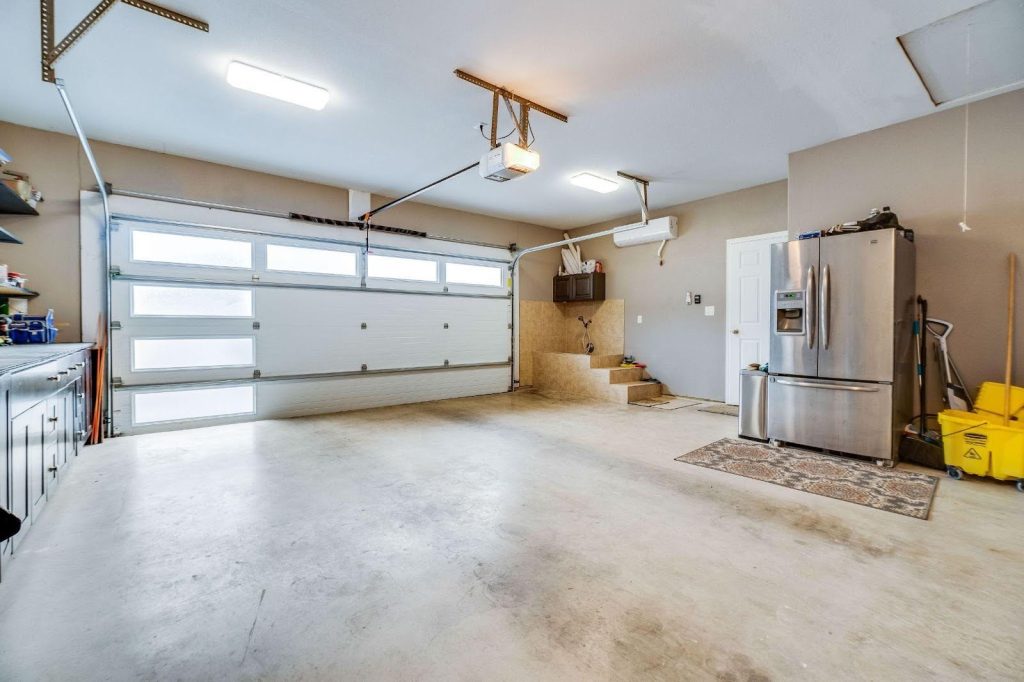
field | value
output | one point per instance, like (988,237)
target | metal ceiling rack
(51,52)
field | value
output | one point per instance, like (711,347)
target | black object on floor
(919,451)
(9,524)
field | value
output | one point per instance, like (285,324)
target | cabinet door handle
(79,365)
(811,306)
(827,387)
(53,378)
(62,372)
(53,419)
(52,470)
(826,306)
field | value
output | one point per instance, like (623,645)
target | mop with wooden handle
(1009,338)
(99,385)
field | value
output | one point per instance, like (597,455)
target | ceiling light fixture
(270,84)
(594,183)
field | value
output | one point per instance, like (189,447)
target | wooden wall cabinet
(586,287)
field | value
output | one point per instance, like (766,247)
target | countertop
(14,358)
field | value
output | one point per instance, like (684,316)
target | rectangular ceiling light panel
(969,53)
(274,85)
(595,183)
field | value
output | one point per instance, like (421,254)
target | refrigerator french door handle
(811,293)
(827,387)
(826,306)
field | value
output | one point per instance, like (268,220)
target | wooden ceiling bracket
(52,52)
(641,185)
(498,93)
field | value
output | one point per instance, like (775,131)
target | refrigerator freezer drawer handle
(826,306)
(827,387)
(812,313)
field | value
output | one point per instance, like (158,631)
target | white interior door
(747,305)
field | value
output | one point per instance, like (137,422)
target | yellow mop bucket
(991,401)
(978,444)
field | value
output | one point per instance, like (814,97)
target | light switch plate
(639,319)
(709,311)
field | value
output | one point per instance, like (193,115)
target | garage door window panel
(190,404)
(311,261)
(475,275)
(401,268)
(162,301)
(159,354)
(155,247)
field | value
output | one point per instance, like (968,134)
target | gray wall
(918,169)
(50,253)
(682,347)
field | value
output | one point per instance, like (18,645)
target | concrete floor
(509,537)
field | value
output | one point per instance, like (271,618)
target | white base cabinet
(45,408)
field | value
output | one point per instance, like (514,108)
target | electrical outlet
(689,298)
(709,311)
(696,299)
(639,319)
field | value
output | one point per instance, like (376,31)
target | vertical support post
(494,120)
(524,126)
(1010,306)
(94,166)
(46,39)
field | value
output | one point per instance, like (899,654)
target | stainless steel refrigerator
(842,349)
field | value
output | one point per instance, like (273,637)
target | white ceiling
(703,96)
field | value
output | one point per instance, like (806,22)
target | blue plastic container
(29,329)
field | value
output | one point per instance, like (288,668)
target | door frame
(769,238)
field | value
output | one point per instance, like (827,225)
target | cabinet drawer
(844,416)
(29,386)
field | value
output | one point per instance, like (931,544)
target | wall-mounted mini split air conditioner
(657,230)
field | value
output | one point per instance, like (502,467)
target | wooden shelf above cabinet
(12,204)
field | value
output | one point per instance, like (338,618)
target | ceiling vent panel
(970,53)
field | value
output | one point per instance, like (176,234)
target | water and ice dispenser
(790,312)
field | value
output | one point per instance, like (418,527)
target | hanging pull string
(964,227)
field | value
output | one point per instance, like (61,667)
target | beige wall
(682,347)
(918,169)
(50,254)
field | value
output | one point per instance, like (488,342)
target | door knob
(735,331)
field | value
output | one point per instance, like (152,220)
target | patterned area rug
(666,402)
(727,410)
(900,492)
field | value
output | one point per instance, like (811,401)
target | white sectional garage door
(221,323)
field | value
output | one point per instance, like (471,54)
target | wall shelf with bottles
(8,291)
(12,204)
